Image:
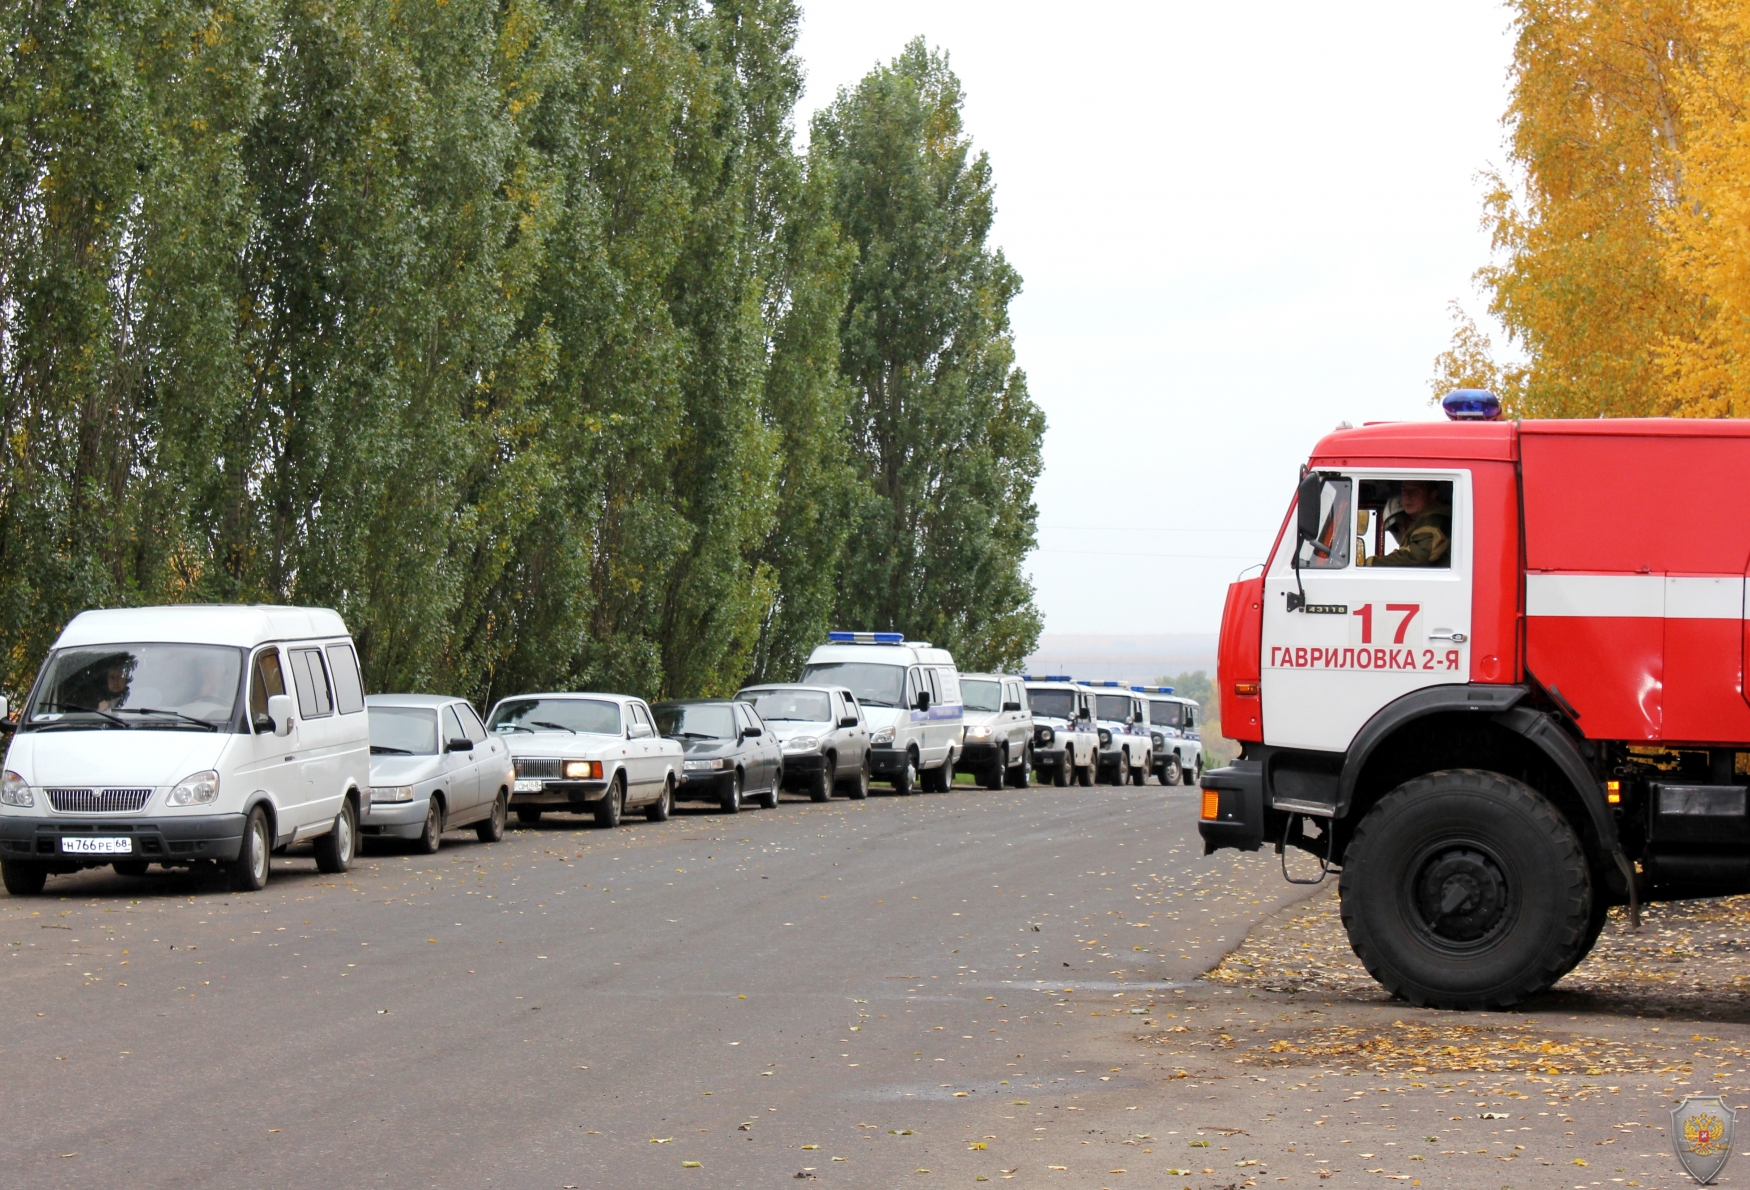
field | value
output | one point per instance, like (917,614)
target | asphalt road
(854,993)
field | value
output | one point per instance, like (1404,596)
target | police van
(1175,731)
(910,694)
(1065,744)
(1125,754)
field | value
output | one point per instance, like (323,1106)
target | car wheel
(608,814)
(1139,774)
(664,805)
(1089,773)
(432,836)
(944,775)
(492,829)
(249,871)
(729,800)
(857,788)
(131,867)
(769,799)
(23,880)
(1172,774)
(994,779)
(334,849)
(1023,774)
(527,816)
(1065,771)
(907,780)
(1466,890)
(820,785)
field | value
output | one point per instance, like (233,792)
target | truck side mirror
(923,700)
(1306,511)
(279,713)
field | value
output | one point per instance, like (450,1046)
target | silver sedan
(434,768)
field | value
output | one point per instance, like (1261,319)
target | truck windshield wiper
(551,726)
(206,723)
(67,706)
(384,749)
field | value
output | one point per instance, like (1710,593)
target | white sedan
(586,754)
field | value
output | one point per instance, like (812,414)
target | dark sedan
(728,753)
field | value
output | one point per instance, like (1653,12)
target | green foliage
(511,330)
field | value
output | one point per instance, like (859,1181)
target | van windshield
(1053,704)
(1115,707)
(165,687)
(1165,714)
(875,685)
(579,716)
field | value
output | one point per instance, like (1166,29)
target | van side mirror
(279,714)
(923,700)
(848,721)
(1306,510)
(1011,705)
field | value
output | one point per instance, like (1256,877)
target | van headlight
(1046,735)
(1156,740)
(198,790)
(882,738)
(14,791)
(1105,738)
(391,793)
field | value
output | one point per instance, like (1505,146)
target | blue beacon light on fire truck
(1471,404)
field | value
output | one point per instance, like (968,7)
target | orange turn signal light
(1613,792)
(1246,689)
(1211,803)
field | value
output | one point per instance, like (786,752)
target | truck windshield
(579,716)
(874,685)
(403,731)
(1165,714)
(696,721)
(1053,704)
(158,686)
(1112,706)
(981,696)
(805,706)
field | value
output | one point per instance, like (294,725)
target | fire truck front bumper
(1233,807)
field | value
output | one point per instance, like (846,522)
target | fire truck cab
(1493,674)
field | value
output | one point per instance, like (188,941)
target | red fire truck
(1497,739)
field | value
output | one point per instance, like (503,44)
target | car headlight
(14,791)
(978,732)
(389,793)
(198,790)
(1046,735)
(583,770)
(884,737)
(705,766)
(801,743)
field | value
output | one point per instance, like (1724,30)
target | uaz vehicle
(184,735)
(825,741)
(1529,704)
(586,754)
(910,695)
(433,769)
(1175,735)
(726,750)
(1125,753)
(999,729)
(1066,745)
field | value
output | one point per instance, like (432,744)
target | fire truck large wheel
(1465,890)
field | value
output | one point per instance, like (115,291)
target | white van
(183,735)
(910,693)
(1126,751)
(1177,738)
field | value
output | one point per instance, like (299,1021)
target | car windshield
(1112,706)
(1052,704)
(807,706)
(874,685)
(981,696)
(160,686)
(695,721)
(579,716)
(403,731)
(1165,714)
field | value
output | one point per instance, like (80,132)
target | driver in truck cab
(1428,540)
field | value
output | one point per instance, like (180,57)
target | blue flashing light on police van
(866,638)
(1047,678)
(1152,689)
(1108,683)
(1471,404)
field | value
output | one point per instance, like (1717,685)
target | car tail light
(1211,803)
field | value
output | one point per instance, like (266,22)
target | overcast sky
(1238,225)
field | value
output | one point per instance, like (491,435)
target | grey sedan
(433,768)
(726,752)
